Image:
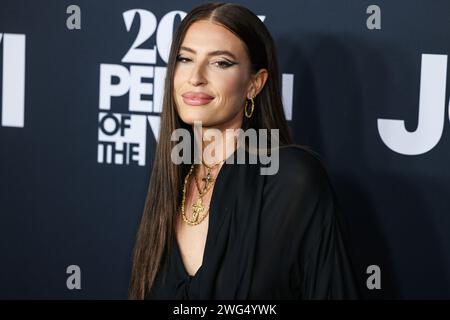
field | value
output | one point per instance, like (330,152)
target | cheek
(232,90)
(179,82)
(178,79)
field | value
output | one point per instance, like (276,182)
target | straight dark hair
(156,232)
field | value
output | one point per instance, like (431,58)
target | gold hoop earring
(252,107)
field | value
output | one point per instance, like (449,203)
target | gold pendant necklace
(199,211)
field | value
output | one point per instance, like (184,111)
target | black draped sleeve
(302,227)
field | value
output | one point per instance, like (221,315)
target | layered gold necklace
(199,211)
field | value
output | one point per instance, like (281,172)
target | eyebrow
(212,53)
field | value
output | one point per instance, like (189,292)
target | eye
(223,64)
(182,59)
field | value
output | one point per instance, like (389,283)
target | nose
(197,77)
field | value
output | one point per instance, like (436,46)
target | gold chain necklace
(198,209)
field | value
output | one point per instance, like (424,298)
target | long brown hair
(157,228)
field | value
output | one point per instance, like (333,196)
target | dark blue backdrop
(69,197)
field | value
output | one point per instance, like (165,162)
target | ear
(257,82)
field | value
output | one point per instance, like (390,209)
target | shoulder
(300,195)
(299,167)
(299,157)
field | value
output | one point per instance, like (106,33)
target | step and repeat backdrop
(364,85)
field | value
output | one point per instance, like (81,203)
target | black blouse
(269,237)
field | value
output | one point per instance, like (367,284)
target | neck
(216,146)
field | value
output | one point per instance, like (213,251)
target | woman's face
(212,77)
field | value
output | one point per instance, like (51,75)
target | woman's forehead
(205,36)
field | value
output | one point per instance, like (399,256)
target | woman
(216,230)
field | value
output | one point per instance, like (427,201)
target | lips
(196,98)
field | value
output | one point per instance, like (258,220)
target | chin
(189,114)
(191,117)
